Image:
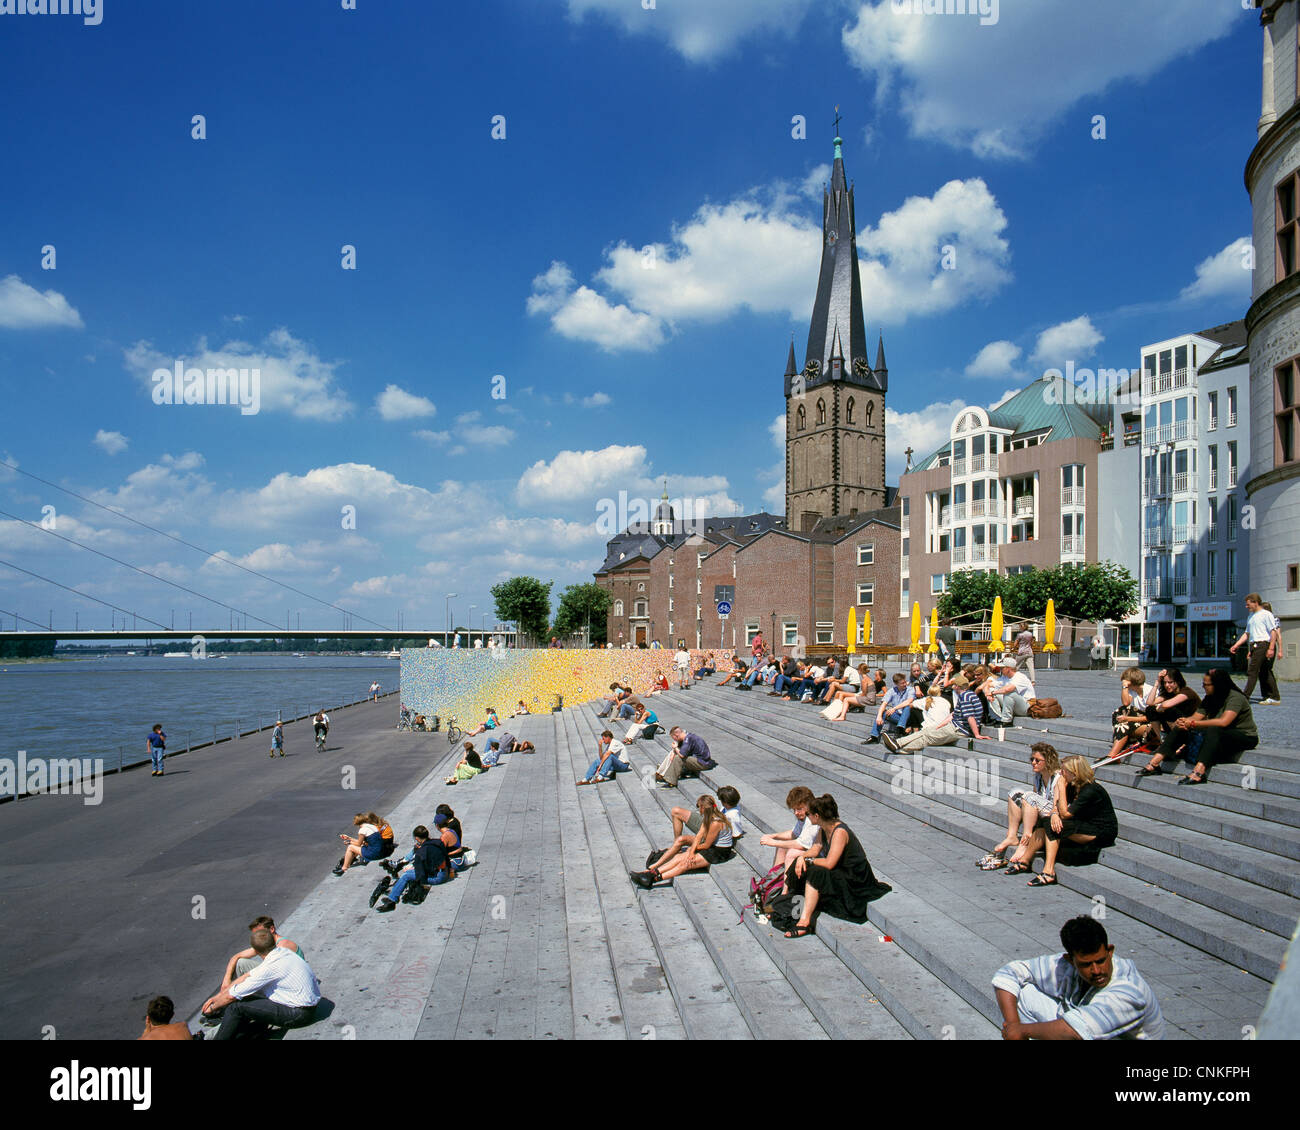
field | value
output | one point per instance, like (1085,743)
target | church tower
(835,405)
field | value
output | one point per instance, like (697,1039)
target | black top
(430,858)
(1092,805)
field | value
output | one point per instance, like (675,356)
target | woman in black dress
(840,882)
(1082,823)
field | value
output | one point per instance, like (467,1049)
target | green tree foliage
(581,605)
(970,591)
(1102,591)
(526,600)
(1028,593)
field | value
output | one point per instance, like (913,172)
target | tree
(581,605)
(1093,593)
(970,592)
(525,600)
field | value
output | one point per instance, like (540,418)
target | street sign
(724,609)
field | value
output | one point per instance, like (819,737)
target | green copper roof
(1042,406)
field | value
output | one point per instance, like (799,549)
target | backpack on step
(1044,708)
(764,888)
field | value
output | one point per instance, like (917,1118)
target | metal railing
(1072,544)
(1169,433)
(1024,506)
(1073,496)
(1155,383)
(959,468)
(959,555)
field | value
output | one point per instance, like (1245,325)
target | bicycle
(320,739)
(453,731)
(404,723)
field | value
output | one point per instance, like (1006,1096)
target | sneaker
(890,744)
(869,741)
(386,904)
(1270,702)
(381,889)
(338,871)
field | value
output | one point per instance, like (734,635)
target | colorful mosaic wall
(466,682)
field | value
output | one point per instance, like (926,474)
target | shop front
(1214,629)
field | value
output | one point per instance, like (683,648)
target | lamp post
(447,618)
(470,621)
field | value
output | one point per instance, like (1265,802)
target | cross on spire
(837,121)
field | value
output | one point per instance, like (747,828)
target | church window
(821,412)
(869,407)
(800,420)
(849,411)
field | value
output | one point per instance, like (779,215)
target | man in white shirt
(1010,694)
(282,991)
(682,661)
(1264,633)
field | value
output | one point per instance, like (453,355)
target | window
(825,632)
(1232,523)
(800,419)
(1286,406)
(751,630)
(938,583)
(848,418)
(1211,573)
(1232,571)
(1180,357)
(618,608)
(867,412)
(670,580)
(699,586)
(907,547)
(640,586)
(642,608)
(866,593)
(1292,578)
(1212,412)
(1212,531)
(790,632)
(1285,219)
(1232,406)
(1232,463)
(821,412)
(867,554)
(1214,467)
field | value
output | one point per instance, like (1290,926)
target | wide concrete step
(1240,815)
(1207,928)
(961,938)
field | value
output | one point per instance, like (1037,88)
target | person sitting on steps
(711,844)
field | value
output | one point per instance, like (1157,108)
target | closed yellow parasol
(934,630)
(853,631)
(916,627)
(1049,626)
(996,627)
(866,629)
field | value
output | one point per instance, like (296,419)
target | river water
(103,708)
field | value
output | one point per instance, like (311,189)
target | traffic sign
(724,609)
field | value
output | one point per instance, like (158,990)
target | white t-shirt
(1020,684)
(936,711)
(737,822)
(683,659)
(1144,696)
(616,747)
(1260,625)
(852,677)
(806,834)
(366,830)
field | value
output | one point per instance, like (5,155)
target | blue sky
(631,257)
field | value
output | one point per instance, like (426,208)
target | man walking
(277,739)
(1263,631)
(1025,651)
(946,639)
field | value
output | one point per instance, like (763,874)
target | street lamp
(470,621)
(447,618)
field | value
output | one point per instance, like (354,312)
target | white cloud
(699,30)
(923,431)
(293,378)
(814,184)
(997,359)
(581,474)
(759,252)
(995,89)
(23,307)
(114,443)
(1224,275)
(774,495)
(1075,340)
(902,257)
(597,400)
(432,437)
(396,403)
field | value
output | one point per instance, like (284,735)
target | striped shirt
(966,706)
(283,977)
(1125,1009)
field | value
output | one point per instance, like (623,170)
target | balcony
(1169,433)
(1023,506)
(980,554)
(959,511)
(1181,535)
(986,508)
(1212,533)
(1182,480)
(1214,480)
(1072,545)
(1153,591)
(1181,586)
(980,463)
(1153,486)
(1232,419)
(1212,425)
(945,516)
(1155,383)
(1072,496)
(958,468)
(1232,477)
(959,556)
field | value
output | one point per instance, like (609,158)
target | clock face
(861,367)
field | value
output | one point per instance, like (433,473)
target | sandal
(799,932)
(993,865)
(584,781)
(1046,879)
(1018,868)
(1191,779)
(986,862)
(1149,772)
